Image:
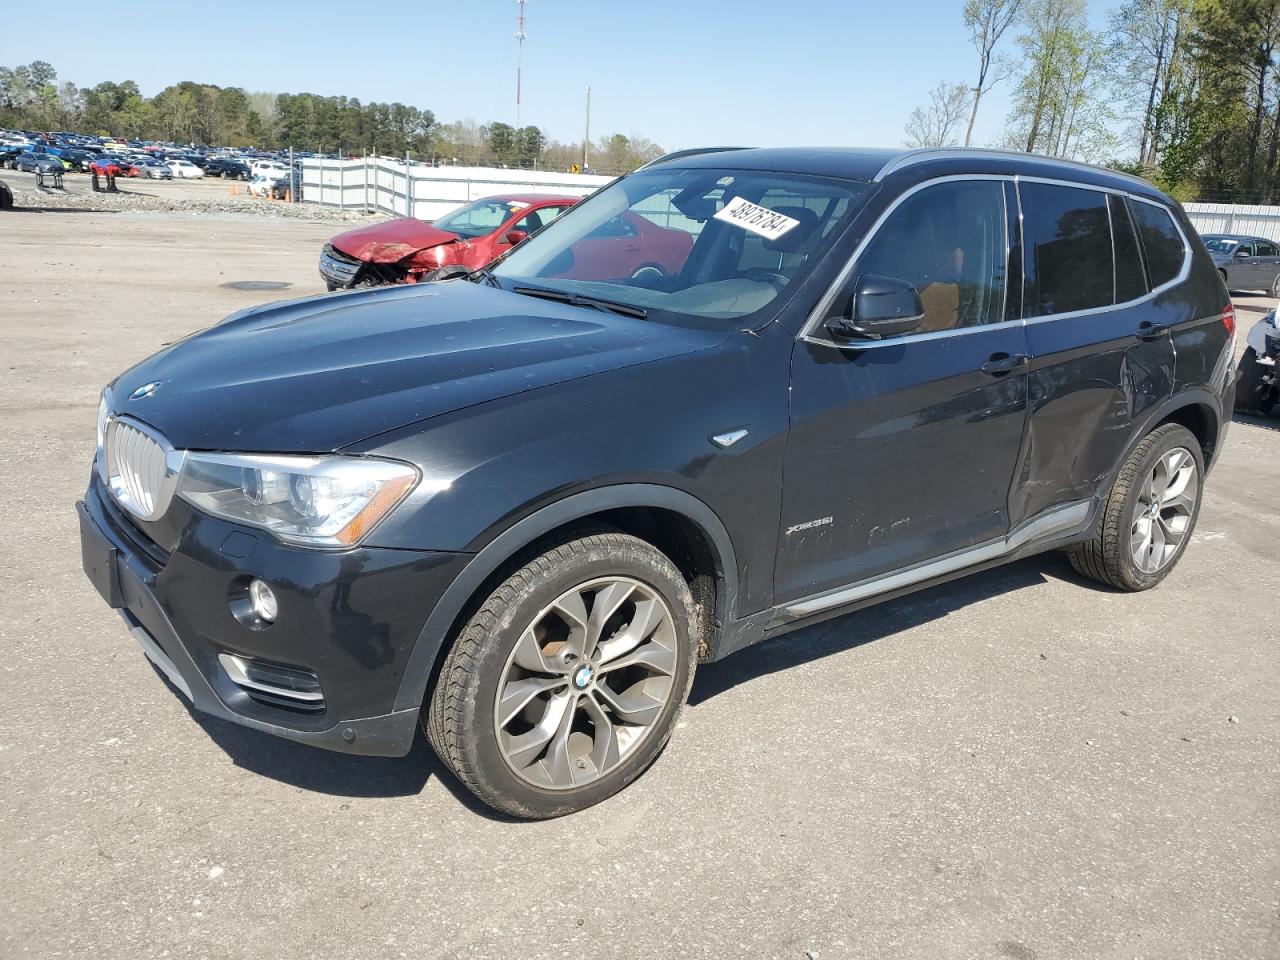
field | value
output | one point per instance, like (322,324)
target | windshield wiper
(580,300)
(484,274)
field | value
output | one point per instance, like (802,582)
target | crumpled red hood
(391,241)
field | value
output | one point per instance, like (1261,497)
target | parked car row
(143,158)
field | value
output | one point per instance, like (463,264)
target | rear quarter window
(1161,242)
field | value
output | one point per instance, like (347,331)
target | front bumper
(349,619)
(338,269)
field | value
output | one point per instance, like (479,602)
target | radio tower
(519,58)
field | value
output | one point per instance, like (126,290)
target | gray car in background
(1246,263)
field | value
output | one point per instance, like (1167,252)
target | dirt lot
(1017,765)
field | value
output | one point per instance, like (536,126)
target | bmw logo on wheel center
(582,678)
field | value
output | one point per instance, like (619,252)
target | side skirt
(1056,527)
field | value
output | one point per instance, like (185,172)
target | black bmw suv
(521,506)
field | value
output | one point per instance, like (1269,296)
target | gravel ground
(204,196)
(1015,765)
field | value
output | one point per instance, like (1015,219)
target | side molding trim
(1054,521)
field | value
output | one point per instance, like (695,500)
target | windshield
(1220,244)
(714,244)
(479,217)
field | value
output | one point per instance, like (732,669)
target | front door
(902,450)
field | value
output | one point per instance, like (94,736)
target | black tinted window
(1161,242)
(1261,248)
(1067,235)
(948,241)
(1131,282)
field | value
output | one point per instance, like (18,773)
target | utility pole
(519,58)
(586,138)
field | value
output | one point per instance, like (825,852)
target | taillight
(1229,318)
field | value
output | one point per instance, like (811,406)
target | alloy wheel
(586,683)
(1166,506)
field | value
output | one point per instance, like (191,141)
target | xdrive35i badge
(146,390)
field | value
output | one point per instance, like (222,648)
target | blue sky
(688,73)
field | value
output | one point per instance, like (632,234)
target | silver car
(1246,263)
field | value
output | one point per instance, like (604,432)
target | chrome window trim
(808,331)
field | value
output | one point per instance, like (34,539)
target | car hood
(319,374)
(391,241)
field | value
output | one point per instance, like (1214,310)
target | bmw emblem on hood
(146,390)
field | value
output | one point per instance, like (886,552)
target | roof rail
(681,154)
(912,157)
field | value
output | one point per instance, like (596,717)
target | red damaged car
(413,251)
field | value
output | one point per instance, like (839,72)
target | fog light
(263,599)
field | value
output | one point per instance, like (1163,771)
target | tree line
(31,98)
(1183,92)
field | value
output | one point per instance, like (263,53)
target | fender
(1187,398)
(421,662)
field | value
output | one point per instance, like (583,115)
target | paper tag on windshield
(747,215)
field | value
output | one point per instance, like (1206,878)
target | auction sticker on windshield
(747,215)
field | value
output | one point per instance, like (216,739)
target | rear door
(1101,354)
(902,450)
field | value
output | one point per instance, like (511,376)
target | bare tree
(987,21)
(938,124)
(1149,47)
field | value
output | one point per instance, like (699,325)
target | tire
(1109,555)
(1253,396)
(580,762)
(1275,286)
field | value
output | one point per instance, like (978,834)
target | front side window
(1067,238)
(708,244)
(1161,242)
(949,242)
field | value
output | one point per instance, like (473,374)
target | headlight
(315,501)
(104,414)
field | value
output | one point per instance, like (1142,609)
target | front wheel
(565,685)
(1150,514)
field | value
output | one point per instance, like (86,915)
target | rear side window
(1067,238)
(1161,242)
(1262,248)
(1131,281)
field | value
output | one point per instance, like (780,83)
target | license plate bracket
(100,560)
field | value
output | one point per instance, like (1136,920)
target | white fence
(1256,221)
(428,193)
(425,192)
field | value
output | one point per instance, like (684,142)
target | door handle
(1003,363)
(1151,331)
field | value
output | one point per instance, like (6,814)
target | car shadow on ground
(345,775)
(336,774)
(879,622)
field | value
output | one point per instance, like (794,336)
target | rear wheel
(1150,514)
(1253,394)
(566,683)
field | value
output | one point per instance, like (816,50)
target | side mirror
(881,307)
(515,236)
(1242,254)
